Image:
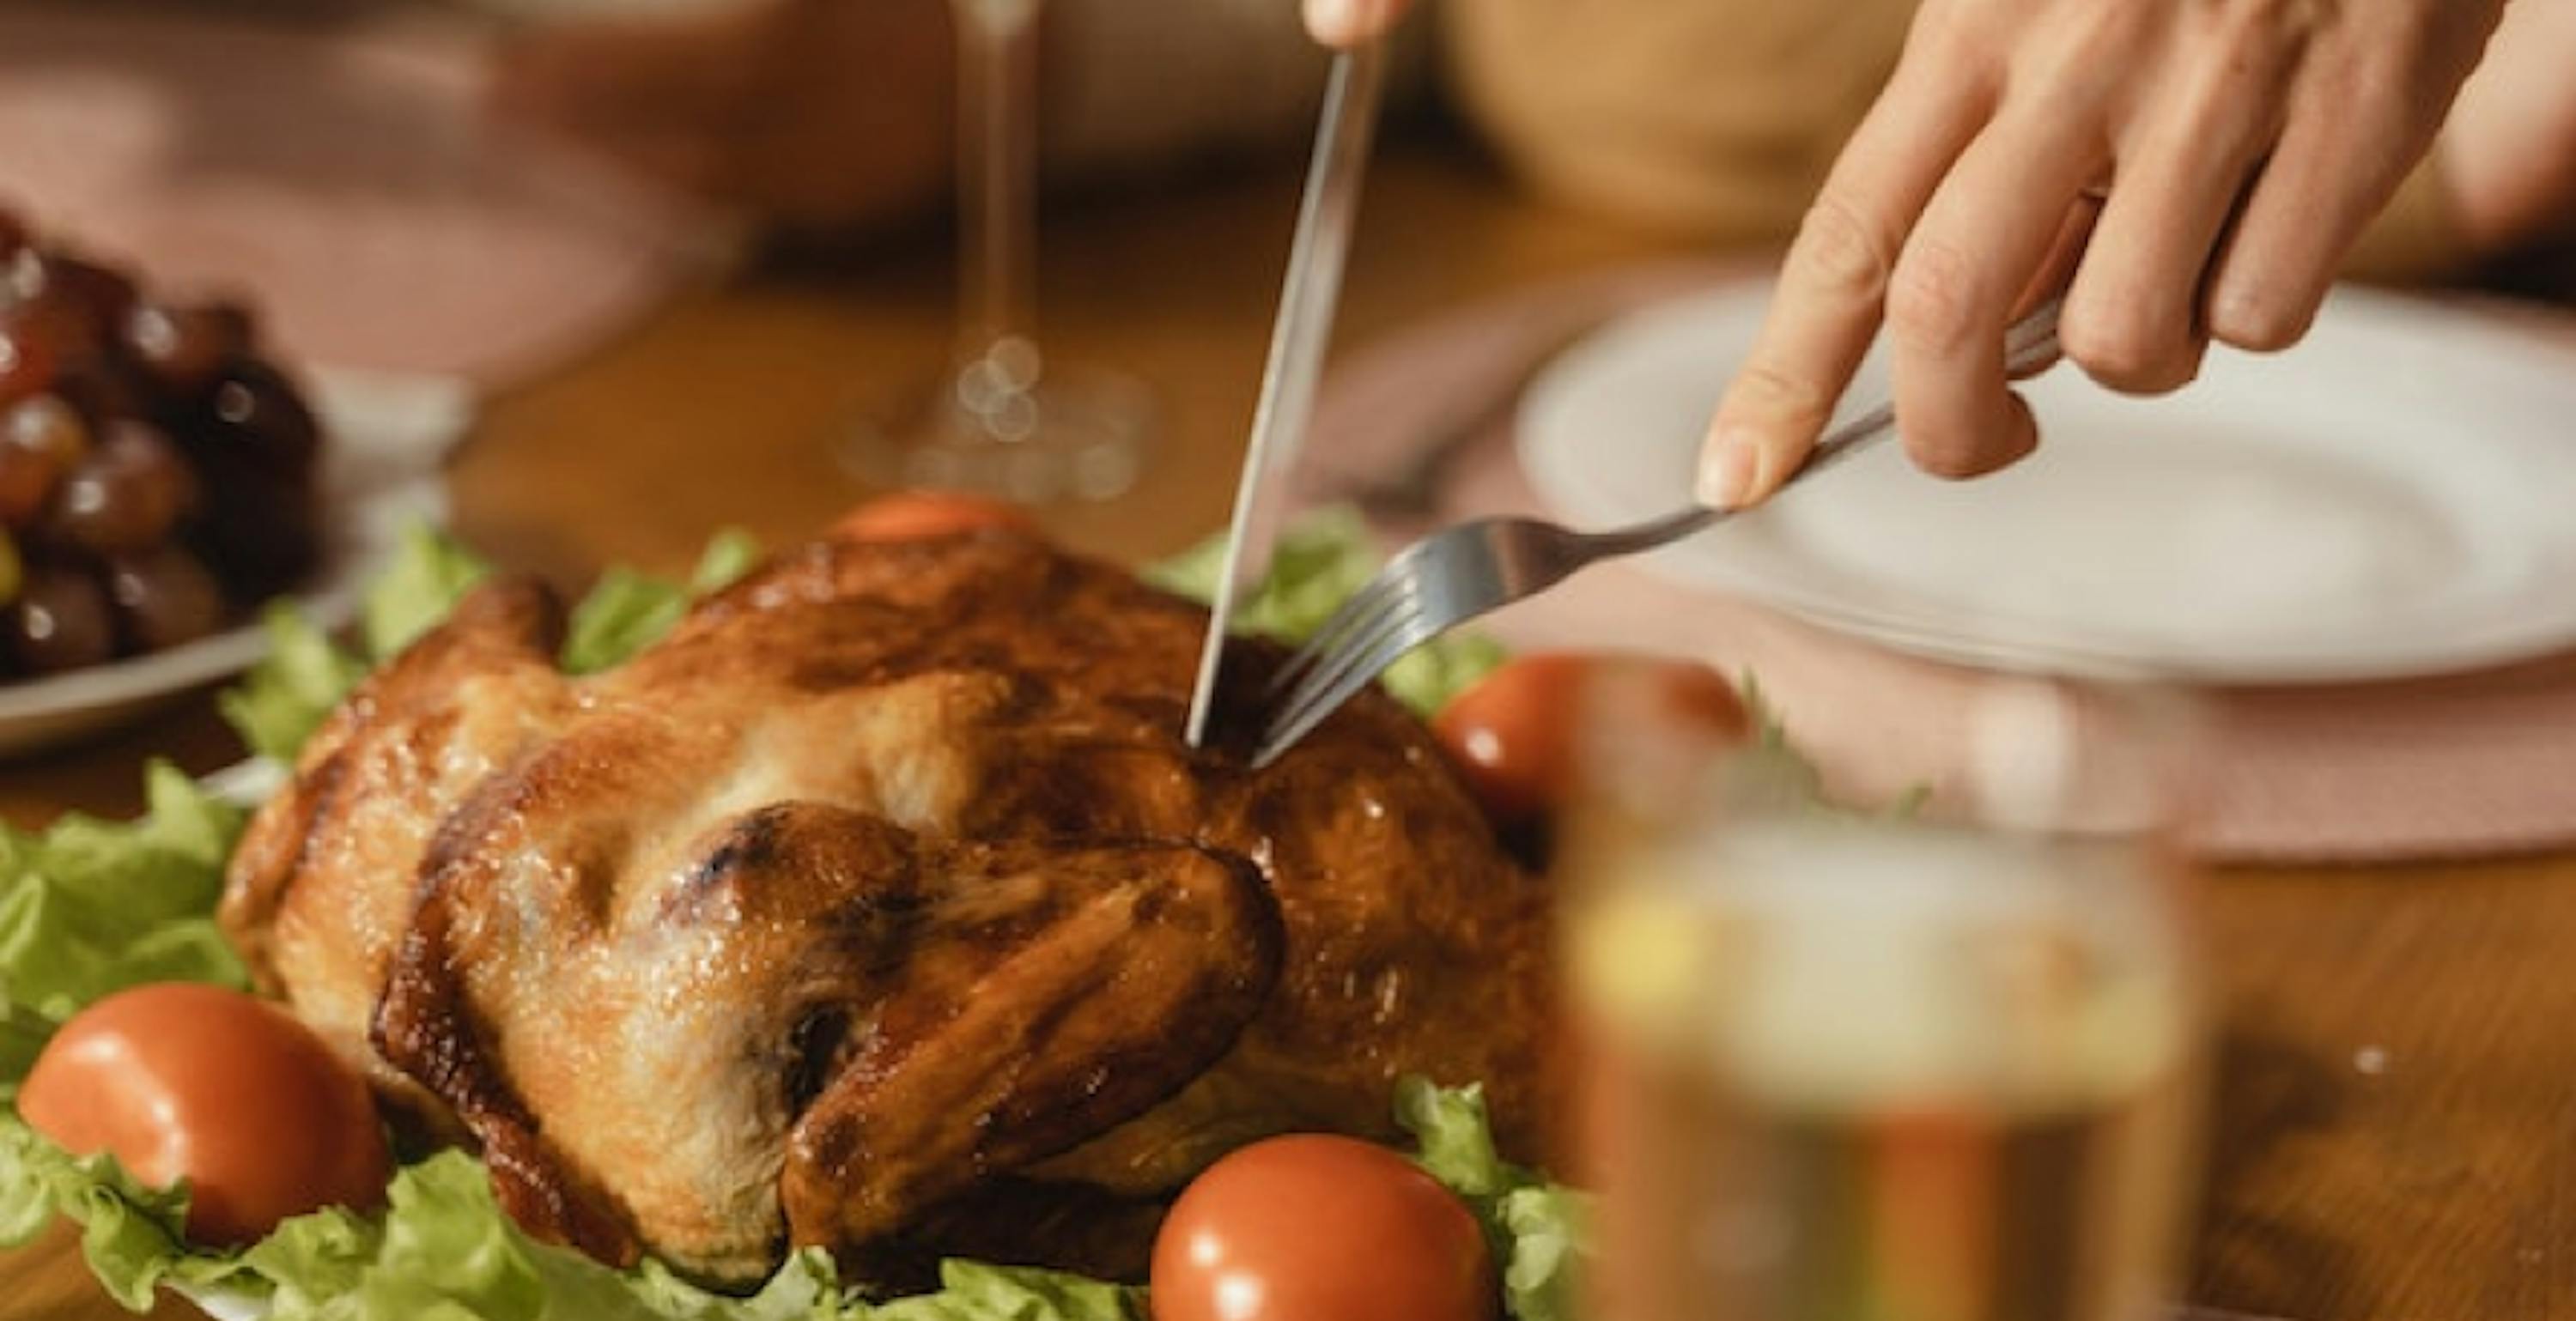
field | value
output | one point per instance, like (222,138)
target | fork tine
(1359,614)
(1372,600)
(1356,646)
(1345,672)
(1294,723)
(1357,666)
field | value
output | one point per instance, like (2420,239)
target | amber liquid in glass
(1885,1074)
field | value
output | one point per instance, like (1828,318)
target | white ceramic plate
(2395,497)
(388,436)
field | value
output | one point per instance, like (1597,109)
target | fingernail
(1734,464)
(1333,21)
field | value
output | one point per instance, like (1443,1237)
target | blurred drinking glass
(1005,419)
(1942,1065)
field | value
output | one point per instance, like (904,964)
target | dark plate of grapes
(161,480)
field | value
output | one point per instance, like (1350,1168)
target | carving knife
(1297,342)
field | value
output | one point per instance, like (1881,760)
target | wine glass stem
(997,179)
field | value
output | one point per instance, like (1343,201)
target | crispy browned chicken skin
(879,907)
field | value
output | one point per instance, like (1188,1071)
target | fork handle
(2030,345)
(1839,444)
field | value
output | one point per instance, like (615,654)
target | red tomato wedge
(917,515)
(232,1094)
(1514,735)
(1316,1228)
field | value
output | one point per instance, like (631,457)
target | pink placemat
(2455,766)
(345,178)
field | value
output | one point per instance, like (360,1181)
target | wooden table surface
(2396,1132)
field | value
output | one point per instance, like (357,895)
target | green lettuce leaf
(443,1248)
(305,1264)
(129,1233)
(1536,1228)
(1546,1225)
(628,611)
(1321,561)
(89,907)
(427,576)
(285,697)
(970,1291)
(729,555)
(1772,773)
(305,675)
(23,1033)
(623,607)
(807,1287)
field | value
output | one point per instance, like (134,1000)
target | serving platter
(2388,500)
(225,1306)
(389,435)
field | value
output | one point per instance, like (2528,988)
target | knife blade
(1307,301)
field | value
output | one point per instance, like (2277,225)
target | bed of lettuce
(88,907)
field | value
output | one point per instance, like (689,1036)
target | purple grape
(27,482)
(104,293)
(163,597)
(26,363)
(183,349)
(126,496)
(41,440)
(261,532)
(60,622)
(263,420)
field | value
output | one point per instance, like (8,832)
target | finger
(2065,253)
(2132,317)
(1987,232)
(1833,285)
(2335,168)
(1347,23)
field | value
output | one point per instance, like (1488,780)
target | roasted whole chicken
(879,907)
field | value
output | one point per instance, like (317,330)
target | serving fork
(1476,568)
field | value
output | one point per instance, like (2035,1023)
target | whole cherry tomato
(1514,735)
(915,515)
(1316,1228)
(181,1081)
